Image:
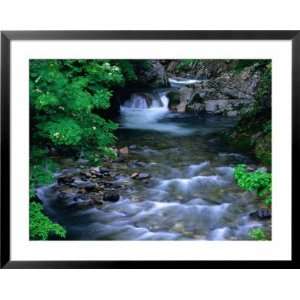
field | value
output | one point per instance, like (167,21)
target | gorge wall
(200,86)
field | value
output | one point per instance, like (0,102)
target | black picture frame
(8,36)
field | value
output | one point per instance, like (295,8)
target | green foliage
(128,69)
(186,64)
(39,176)
(41,169)
(257,234)
(63,131)
(64,97)
(40,226)
(254,129)
(263,149)
(257,64)
(258,181)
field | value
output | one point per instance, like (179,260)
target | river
(191,193)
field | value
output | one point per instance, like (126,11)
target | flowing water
(191,194)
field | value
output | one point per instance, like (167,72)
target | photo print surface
(176,149)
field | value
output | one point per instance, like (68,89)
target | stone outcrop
(153,76)
(229,93)
(178,100)
(226,107)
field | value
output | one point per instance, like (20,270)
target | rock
(82,161)
(124,150)
(136,163)
(134,175)
(111,196)
(251,168)
(232,113)
(66,196)
(82,204)
(97,198)
(87,185)
(153,76)
(141,164)
(261,213)
(132,147)
(120,159)
(227,106)
(262,169)
(65,179)
(143,176)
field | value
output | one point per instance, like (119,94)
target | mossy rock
(174,98)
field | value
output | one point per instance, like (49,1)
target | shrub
(40,226)
(257,234)
(258,181)
(263,149)
(64,95)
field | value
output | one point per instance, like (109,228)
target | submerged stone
(111,196)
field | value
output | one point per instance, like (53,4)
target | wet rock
(262,169)
(66,196)
(97,198)
(82,161)
(82,204)
(140,164)
(132,147)
(85,174)
(96,172)
(143,176)
(124,151)
(232,113)
(87,185)
(261,213)
(104,170)
(251,168)
(111,196)
(65,179)
(134,175)
(120,159)
(154,75)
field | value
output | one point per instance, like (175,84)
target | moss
(263,149)
(174,99)
(239,140)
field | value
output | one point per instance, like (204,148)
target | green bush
(257,234)
(258,181)
(263,149)
(64,95)
(40,226)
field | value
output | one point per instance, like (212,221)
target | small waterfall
(147,101)
(137,101)
(165,101)
(149,111)
(180,82)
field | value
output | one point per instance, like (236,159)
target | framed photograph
(149,149)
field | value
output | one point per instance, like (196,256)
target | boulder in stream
(111,196)
(143,176)
(261,213)
(87,185)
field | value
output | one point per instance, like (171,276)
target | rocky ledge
(227,93)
